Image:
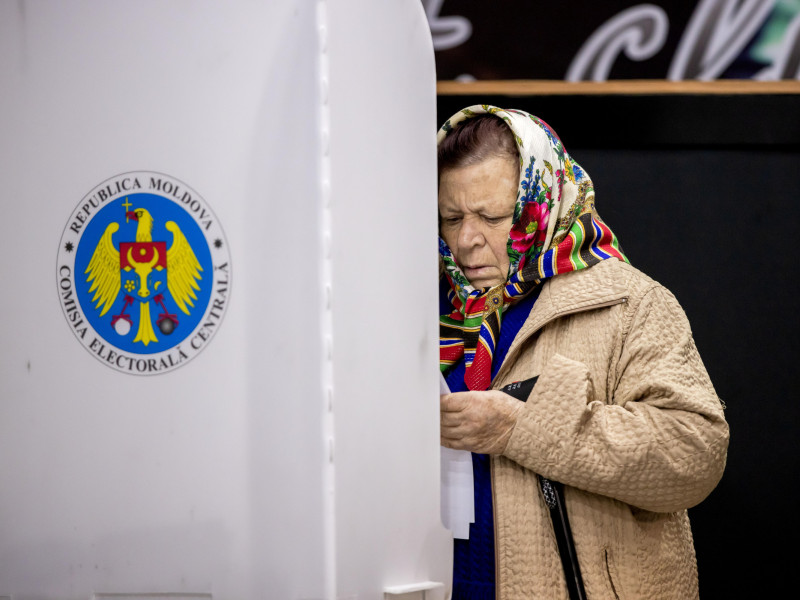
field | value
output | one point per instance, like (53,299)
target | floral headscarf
(555,229)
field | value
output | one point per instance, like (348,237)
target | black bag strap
(553,493)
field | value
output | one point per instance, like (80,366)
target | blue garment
(473,559)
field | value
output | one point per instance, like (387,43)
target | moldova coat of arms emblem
(143,273)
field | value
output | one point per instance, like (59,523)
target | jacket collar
(577,291)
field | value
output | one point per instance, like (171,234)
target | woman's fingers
(477,421)
(456,402)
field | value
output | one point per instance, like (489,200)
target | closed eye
(496,220)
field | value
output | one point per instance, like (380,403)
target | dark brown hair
(474,140)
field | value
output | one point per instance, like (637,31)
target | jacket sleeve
(659,444)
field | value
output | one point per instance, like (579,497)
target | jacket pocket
(611,573)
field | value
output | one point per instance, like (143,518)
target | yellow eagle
(104,271)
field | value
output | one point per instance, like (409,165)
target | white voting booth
(219,358)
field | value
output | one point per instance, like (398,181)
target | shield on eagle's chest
(144,274)
(144,268)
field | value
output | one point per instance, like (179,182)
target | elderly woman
(537,290)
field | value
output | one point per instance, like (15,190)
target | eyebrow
(449,210)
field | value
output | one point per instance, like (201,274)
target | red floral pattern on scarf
(531,227)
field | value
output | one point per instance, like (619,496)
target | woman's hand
(480,422)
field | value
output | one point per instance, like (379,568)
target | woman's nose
(471,233)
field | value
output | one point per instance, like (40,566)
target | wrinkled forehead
(488,186)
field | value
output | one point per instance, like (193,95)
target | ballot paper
(458,491)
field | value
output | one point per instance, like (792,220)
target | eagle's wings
(103,271)
(183,269)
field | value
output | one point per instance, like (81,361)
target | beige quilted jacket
(625,416)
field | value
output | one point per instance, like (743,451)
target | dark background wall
(520,39)
(703,193)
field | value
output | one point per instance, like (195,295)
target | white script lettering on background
(447,32)
(718,32)
(639,32)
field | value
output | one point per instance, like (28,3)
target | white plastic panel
(214,479)
(205,479)
(385,299)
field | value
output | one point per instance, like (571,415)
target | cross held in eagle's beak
(127,205)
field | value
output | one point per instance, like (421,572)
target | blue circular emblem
(143,273)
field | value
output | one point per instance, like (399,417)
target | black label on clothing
(520,389)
